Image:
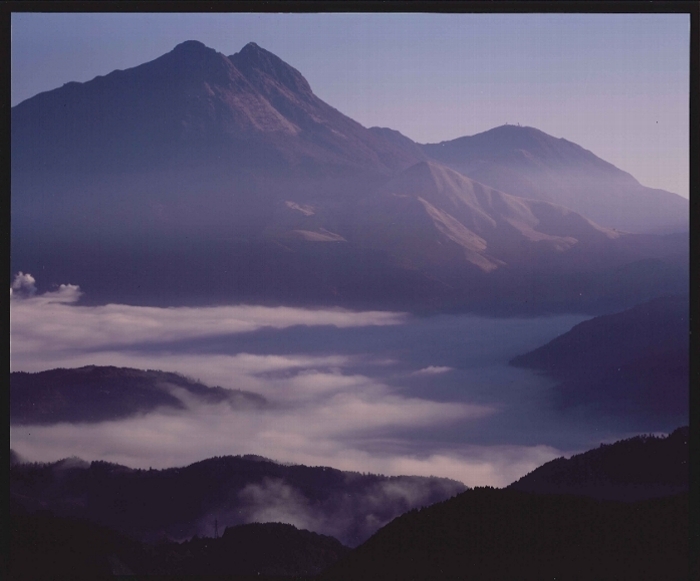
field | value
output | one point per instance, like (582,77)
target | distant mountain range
(633,363)
(542,526)
(529,163)
(197,164)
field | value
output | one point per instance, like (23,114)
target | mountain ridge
(527,162)
(197,163)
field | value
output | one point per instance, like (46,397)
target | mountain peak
(256,64)
(191,45)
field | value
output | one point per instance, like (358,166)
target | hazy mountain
(507,535)
(429,215)
(96,394)
(200,178)
(634,363)
(182,502)
(634,469)
(526,162)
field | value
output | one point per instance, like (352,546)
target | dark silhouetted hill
(634,469)
(95,394)
(511,535)
(44,546)
(634,362)
(182,502)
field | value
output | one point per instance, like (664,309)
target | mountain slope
(431,210)
(189,105)
(507,535)
(526,162)
(96,394)
(630,470)
(631,363)
(44,546)
(182,502)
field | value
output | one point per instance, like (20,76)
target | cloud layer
(365,408)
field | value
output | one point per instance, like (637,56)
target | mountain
(198,178)
(564,520)
(631,363)
(96,394)
(269,549)
(187,106)
(527,162)
(629,470)
(44,546)
(486,533)
(179,503)
(430,214)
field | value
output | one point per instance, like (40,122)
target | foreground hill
(96,394)
(635,362)
(635,469)
(44,546)
(526,162)
(182,502)
(507,535)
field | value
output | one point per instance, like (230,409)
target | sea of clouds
(365,391)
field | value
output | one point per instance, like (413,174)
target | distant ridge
(634,363)
(527,162)
(95,394)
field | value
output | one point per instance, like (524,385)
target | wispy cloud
(40,324)
(432,370)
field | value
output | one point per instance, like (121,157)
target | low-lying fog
(378,392)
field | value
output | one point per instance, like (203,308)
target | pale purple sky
(616,84)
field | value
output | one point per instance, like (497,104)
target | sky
(616,84)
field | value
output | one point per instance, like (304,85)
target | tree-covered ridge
(486,533)
(179,503)
(94,394)
(645,466)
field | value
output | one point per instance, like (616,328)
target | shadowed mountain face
(44,546)
(632,363)
(96,394)
(507,535)
(630,470)
(182,502)
(205,178)
(526,162)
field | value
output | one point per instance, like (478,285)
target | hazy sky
(616,84)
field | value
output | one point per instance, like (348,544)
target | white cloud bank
(321,410)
